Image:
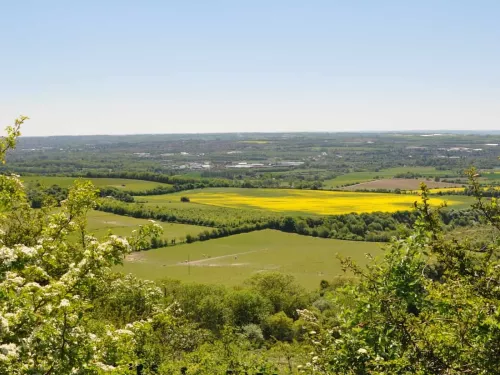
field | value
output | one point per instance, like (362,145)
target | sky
(128,67)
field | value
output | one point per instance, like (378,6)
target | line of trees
(38,195)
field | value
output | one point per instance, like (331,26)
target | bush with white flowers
(48,283)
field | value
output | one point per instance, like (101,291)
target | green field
(492,176)
(99,223)
(358,177)
(119,183)
(231,260)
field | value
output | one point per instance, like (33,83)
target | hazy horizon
(436,132)
(120,67)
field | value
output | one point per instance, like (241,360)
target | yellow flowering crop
(447,190)
(308,201)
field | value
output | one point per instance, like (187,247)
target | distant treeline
(178,180)
(184,182)
(488,192)
(38,194)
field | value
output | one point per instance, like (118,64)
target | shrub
(253,333)
(279,326)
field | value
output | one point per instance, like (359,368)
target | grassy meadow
(119,183)
(99,223)
(231,260)
(492,176)
(294,201)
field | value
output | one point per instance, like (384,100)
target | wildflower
(362,351)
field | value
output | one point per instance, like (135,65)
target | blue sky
(121,67)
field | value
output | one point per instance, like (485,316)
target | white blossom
(33,285)
(122,241)
(7,256)
(14,278)
(362,351)
(104,367)
(27,251)
(8,351)
(124,332)
(64,303)
(4,324)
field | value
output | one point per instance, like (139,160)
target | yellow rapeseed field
(308,201)
(446,190)
(452,190)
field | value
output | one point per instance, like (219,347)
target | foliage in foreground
(432,306)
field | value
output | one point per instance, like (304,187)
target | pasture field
(492,176)
(294,201)
(399,183)
(231,260)
(119,183)
(359,177)
(208,215)
(99,223)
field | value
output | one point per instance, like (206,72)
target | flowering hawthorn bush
(48,283)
